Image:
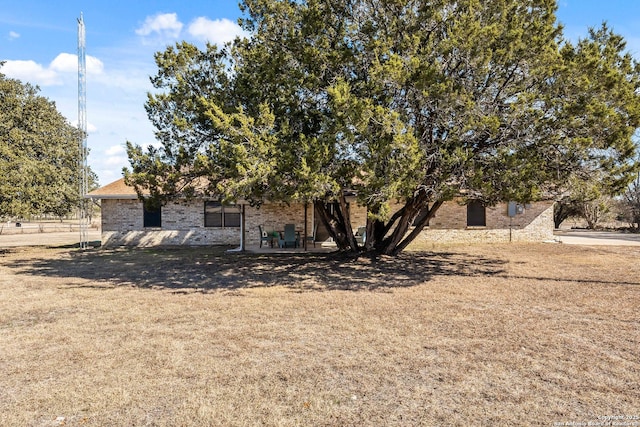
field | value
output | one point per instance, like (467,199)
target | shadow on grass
(205,269)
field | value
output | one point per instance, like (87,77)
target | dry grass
(480,335)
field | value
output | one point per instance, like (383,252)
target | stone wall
(358,215)
(183,224)
(534,224)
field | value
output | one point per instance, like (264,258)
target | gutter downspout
(305,225)
(241,248)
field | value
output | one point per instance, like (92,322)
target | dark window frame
(220,215)
(476,214)
(151,216)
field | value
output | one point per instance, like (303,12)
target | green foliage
(408,101)
(587,198)
(38,154)
(603,112)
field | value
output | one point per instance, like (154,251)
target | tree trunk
(399,239)
(388,238)
(592,212)
(338,224)
(419,227)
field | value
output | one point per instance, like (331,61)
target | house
(125,221)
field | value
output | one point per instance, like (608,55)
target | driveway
(588,237)
(62,238)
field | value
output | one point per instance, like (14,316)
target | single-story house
(125,221)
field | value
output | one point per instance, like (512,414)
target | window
(476,215)
(218,215)
(152,216)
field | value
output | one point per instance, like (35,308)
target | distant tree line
(590,203)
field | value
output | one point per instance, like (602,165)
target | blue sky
(38,39)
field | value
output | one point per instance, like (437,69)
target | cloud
(115,150)
(31,71)
(115,157)
(52,75)
(116,162)
(13,35)
(162,24)
(68,63)
(65,63)
(218,31)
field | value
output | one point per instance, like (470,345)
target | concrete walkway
(570,237)
(588,237)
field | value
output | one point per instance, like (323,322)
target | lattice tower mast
(82,126)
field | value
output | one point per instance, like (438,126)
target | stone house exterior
(125,222)
(531,223)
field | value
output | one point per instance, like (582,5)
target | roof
(116,190)
(120,190)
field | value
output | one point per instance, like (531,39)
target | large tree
(38,154)
(604,108)
(391,100)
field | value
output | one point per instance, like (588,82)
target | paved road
(62,238)
(587,237)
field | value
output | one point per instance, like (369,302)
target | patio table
(274,237)
(280,235)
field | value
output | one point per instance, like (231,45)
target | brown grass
(479,335)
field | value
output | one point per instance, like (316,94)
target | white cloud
(31,71)
(52,75)
(68,63)
(218,31)
(163,24)
(115,150)
(115,158)
(13,35)
(65,63)
(94,65)
(116,162)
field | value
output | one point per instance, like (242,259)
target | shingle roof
(116,190)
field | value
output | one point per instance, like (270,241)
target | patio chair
(264,237)
(290,236)
(361,235)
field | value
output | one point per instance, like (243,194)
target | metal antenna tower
(82,126)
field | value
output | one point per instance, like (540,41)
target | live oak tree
(390,101)
(38,154)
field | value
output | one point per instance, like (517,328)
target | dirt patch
(477,335)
